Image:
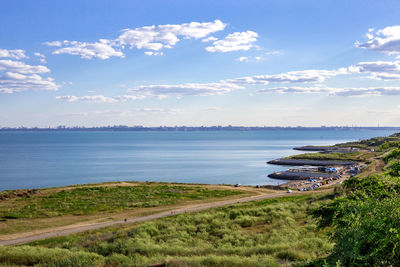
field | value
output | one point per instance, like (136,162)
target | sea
(37,159)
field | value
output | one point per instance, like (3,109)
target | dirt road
(184,209)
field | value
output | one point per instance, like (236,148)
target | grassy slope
(56,207)
(327,156)
(262,233)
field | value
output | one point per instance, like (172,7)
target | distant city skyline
(193,63)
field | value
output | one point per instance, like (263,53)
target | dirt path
(184,209)
(377,165)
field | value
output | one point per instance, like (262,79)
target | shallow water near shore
(48,159)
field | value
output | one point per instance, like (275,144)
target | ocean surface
(47,159)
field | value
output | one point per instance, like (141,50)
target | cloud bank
(303,76)
(349,91)
(17,76)
(386,40)
(237,41)
(153,38)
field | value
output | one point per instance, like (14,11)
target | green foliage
(92,200)
(261,233)
(394,154)
(365,222)
(327,156)
(28,256)
(395,169)
(382,143)
(389,145)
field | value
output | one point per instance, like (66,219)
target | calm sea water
(46,159)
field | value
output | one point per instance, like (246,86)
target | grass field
(262,233)
(327,156)
(23,211)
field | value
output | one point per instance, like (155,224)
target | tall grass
(262,233)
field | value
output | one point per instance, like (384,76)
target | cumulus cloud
(303,76)
(209,39)
(21,67)
(379,70)
(100,50)
(17,76)
(15,53)
(386,40)
(166,36)
(187,89)
(349,91)
(152,38)
(98,98)
(151,53)
(237,41)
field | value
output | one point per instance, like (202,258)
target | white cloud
(17,76)
(368,91)
(149,37)
(101,50)
(187,89)
(37,54)
(237,41)
(303,76)
(347,91)
(53,43)
(166,36)
(386,40)
(274,53)
(243,59)
(150,53)
(209,39)
(42,58)
(98,98)
(250,59)
(16,53)
(379,70)
(21,67)
(296,89)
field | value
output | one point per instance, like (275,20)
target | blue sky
(275,63)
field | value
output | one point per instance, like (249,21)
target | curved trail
(191,208)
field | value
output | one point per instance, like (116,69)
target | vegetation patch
(262,233)
(104,199)
(327,156)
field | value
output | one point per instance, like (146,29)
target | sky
(244,63)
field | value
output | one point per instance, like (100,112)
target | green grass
(373,143)
(264,233)
(94,200)
(327,156)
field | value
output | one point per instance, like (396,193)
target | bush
(365,222)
